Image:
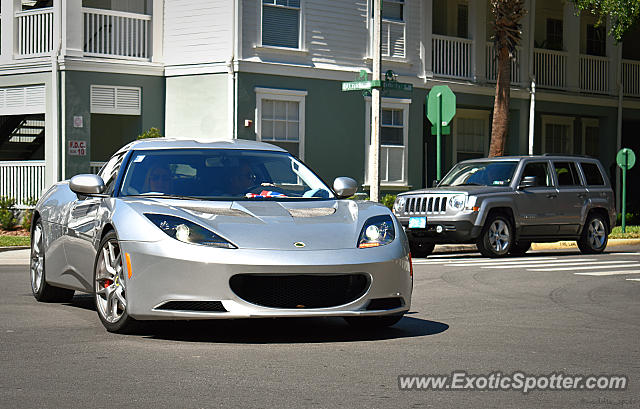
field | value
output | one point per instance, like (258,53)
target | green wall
(109,132)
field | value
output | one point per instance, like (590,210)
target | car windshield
(480,174)
(224,174)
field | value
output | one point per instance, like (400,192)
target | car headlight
(377,231)
(398,206)
(457,202)
(187,232)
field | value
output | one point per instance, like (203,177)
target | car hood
(472,190)
(320,225)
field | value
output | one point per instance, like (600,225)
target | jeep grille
(430,204)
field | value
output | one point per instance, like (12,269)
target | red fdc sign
(77,148)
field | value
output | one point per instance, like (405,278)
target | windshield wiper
(167,196)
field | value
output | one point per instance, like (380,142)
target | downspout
(532,113)
(58,154)
(232,88)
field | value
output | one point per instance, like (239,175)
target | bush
(150,133)
(28,214)
(7,216)
(632,218)
(388,200)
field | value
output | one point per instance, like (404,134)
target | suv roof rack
(573,155)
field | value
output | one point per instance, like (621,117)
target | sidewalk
(14,256)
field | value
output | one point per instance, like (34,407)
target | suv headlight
(187,231)
(398,206)
(457,202)
(377,231)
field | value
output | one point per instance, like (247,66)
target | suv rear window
(592,174)
(566,173)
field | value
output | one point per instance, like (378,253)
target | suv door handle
(552,196)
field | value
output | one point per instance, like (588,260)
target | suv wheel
(497,236)
(594,235)
(520,248)
(420,249)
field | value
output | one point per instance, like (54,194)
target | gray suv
(504,204)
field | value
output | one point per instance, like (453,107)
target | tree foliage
(623,13)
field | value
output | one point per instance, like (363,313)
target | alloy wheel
(37,259)
(110,288)
(499,236)
(596,234)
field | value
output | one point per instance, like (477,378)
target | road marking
(575,262)
(633,279)
(584,268)
(488,260)
(611,273)
(624,254)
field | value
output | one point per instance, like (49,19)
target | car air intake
(200,306)
(385,303)
(299,291)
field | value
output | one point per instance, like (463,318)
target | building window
(557,134)
(439,13)
(281,23)
(596,40)
(590,133)
(280,118)
(554,34)
(394,130)
(463,20)
(470,135)
(393,10)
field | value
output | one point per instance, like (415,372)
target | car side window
(541,171)
(109,172)
(592,174)
(566,173)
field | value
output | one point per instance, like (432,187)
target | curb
(558,245)
(9,248)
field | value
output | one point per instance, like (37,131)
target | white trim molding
(288,95)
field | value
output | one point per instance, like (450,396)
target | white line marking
(578,262)
(489,260)
(583,268)
(610,273)
(624,254)
(633,279)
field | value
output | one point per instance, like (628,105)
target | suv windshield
(481,174)
(224,174)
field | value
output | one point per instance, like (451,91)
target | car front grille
(430,204)
(200,306)
(299,291)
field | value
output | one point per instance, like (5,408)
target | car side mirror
(527,181)
(435,183)
(345,187)
(87,184)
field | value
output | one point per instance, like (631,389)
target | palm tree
(506,24)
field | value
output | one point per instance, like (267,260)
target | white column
(478,29)
(72,28)
(614,53)
(427,40)
(157,34)
(571,39)
(9,31)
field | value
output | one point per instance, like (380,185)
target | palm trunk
(500,125)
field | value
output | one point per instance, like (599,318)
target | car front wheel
(594,237)
(42,291)
(496,239)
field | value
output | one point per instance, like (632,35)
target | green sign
(626,158)
(448,99)
(446,130)
(400,86)
(360,85)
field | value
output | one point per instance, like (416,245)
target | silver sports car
(178,229)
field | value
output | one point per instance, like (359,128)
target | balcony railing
(116,34)
(594,74)
(631,77)
(22,180)
(35,32)
(492,64)
(393,34)
(550,68)
(452,56)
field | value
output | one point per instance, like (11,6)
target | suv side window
(109,172)
(566,173)
(541,171)
(592,174)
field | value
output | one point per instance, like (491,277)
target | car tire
(594,237)
(496,238)
(420,249)
(520,248)
(373,322)
(43,291)
(109,293)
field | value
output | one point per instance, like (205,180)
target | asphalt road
(534,315)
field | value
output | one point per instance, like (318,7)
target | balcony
(550,68)
(35,32)
(631,78)
(594,74)
(492,65)
(452,56)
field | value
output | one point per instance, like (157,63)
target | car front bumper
(168,270)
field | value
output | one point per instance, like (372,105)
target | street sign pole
(439,137)
(374,148)
(625,159)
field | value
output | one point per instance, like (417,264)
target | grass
(11,241)
(632,232)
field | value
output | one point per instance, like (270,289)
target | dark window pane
(554,34)
(280,26)
(592,174)
(391,136)
(541,171)
(566,173)
(463,20)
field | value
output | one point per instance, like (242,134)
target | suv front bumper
(443,232)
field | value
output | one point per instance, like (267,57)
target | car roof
(542,157)
(174,143)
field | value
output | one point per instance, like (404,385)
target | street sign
(626,158)
(448,104)
(400,86)
(360,85)
(446,130)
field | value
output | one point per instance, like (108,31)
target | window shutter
(280,26)
(22,100)
(115,100)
